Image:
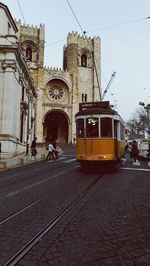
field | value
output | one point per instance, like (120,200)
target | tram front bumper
(102,157)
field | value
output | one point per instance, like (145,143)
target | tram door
(116,124)
(80,133)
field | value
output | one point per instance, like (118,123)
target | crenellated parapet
(54,69)
(74,37)
(56,73)
(30,30)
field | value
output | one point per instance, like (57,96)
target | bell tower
(82,60)
(32,41)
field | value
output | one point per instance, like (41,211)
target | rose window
(56,92)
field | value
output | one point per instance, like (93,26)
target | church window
(83,60)
(56,92)
(9,28)
(84,97)
(29,53)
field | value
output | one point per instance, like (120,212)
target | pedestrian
(126,147)
(51,151)
(134,151)
(33,148)
(55,147)
(148,155)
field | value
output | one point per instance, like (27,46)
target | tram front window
(80,128)
(106,127)
(92,127)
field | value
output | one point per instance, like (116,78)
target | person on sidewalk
(33,149)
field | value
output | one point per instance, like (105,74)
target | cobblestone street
(110,227)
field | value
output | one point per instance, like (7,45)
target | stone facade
(59,91)
(17,91)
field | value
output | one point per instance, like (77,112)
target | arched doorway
(55,126)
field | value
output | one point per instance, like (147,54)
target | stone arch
(84,57)
(29,48)
(56,126)
(63,80)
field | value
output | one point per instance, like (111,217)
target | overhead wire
(107,27)
(23,16)
(85,32)
(94,59)
(118,24)
(75,17)
(21,11)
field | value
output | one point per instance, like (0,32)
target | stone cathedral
(59,91)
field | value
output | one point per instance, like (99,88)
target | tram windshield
(106,127)
(80,128)
(92,127)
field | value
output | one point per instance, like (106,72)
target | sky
(124,30)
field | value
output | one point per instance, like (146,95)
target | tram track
(52,223)
(34,172)
(38,201)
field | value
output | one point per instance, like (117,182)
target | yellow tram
(100,133)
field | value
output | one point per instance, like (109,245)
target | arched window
(83,60)
(29,53)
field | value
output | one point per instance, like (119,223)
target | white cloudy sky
(125,40)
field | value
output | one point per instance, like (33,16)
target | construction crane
(108,85)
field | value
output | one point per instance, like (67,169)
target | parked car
(143,148)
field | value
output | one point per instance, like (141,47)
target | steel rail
(35,172)
(38,200)
(22,252)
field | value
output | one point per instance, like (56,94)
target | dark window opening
(84,97)
(92,127)
(9,28)
(122,132)
(83,60)
(29,54)
(115,129)
(80,128)
(106,127)
(21,127)
(22,94)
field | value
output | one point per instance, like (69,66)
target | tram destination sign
(88,105)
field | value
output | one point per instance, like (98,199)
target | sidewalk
(23,159)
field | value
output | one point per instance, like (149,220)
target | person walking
(134,151)
(51,151)
(33,148)
(148,155)
(55,147)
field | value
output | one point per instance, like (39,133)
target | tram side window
(116,123)
(92,127)
(80,128)
(122,132)
(106,127)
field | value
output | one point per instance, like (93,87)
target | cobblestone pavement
(109,227)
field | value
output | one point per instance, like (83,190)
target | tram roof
(95,108)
